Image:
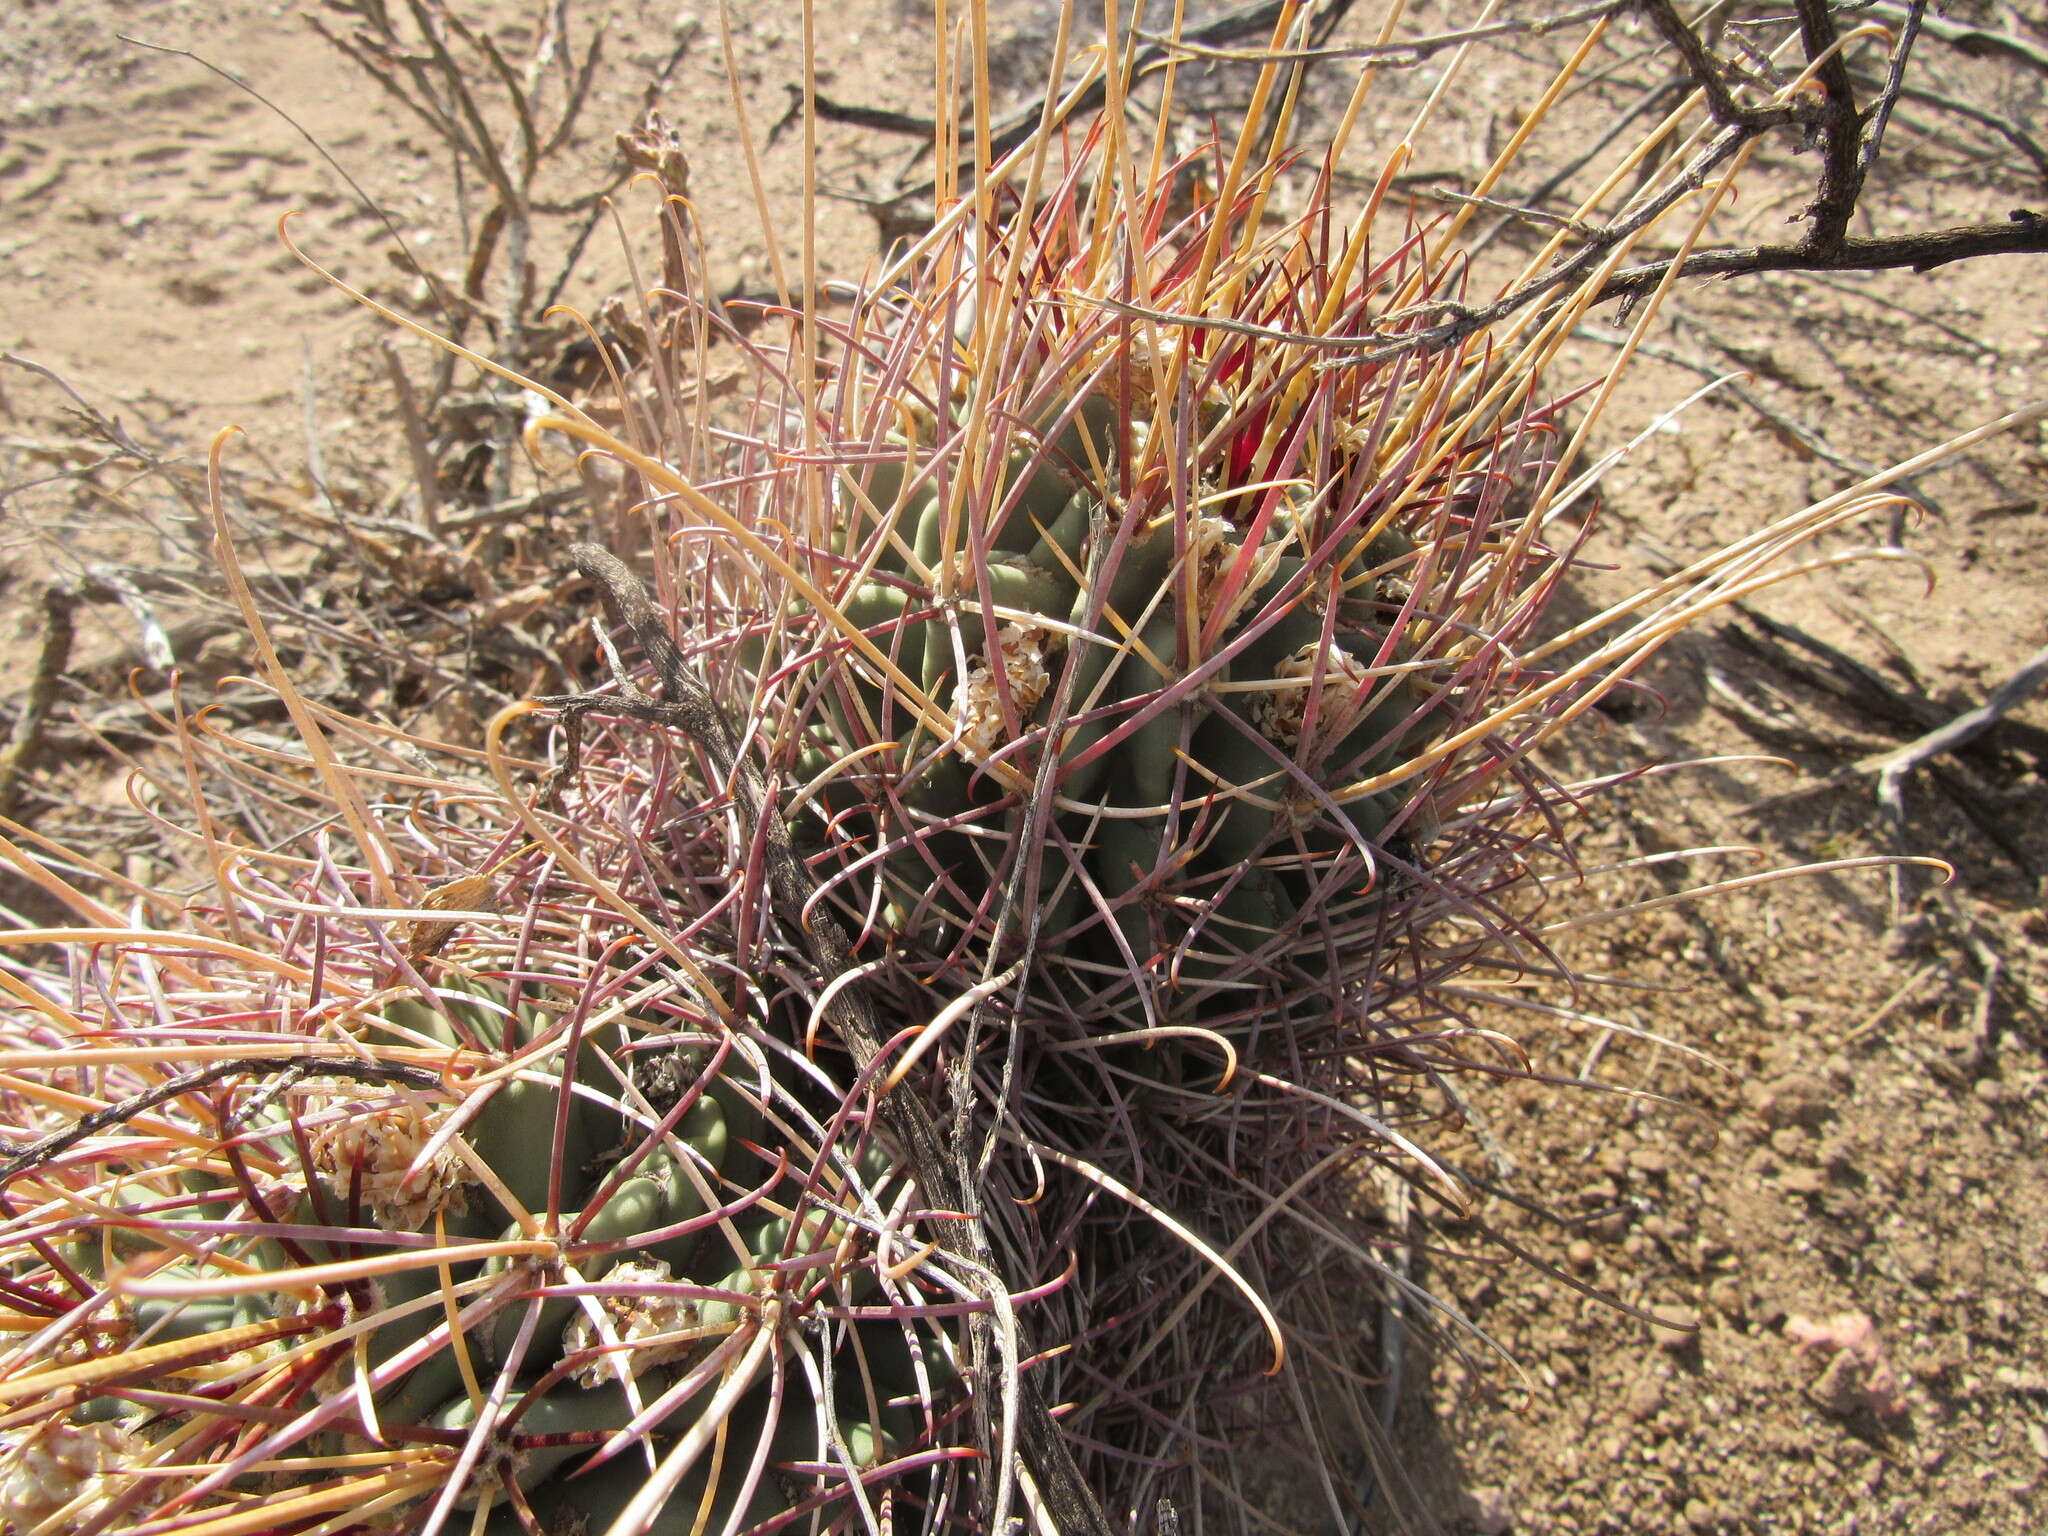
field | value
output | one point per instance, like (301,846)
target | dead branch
(21,1159)
(424,471)
(1891,1005)
(854,115)
(1780,723)
(1849,143)
(1976,42)
(1894,766)
(419,70)
(19,753)
(1969,725)
(1841,169)
(1849,140)
(1708,75)
(1862,687)
(1514,212)
(1816,664)
(1879,115)
(2024,233)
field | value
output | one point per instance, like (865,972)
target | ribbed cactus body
(1212,681)
(629,1157)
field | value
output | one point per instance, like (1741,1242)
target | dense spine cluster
(512,1279)
(1146,702)
(1212,682)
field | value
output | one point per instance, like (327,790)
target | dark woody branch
(2025,232)
(1841,131)
(1710,77)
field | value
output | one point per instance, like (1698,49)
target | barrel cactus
(1137,669)
(1215,661)
(325,1220)
(1183,714)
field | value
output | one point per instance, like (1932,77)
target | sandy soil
(1865,1137)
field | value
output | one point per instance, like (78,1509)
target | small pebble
(1790,1141)
(1676,1327)
(1611,1228)
(1644,1399)
(1581,1255)
(1725,1296)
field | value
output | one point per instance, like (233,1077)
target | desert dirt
(1815,1146)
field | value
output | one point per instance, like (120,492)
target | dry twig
(22,1159)
(19,753)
